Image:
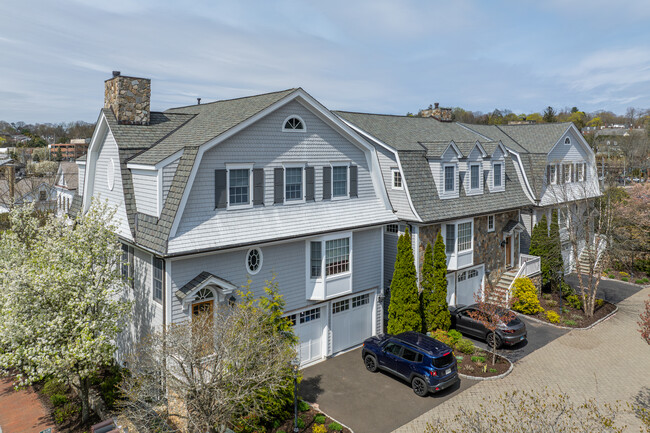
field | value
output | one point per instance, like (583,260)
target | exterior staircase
(500,292)
(588,257)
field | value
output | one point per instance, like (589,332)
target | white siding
(145,188)
(265,145)
(390,254)
(398,197)
(287,261)
(82,177)
(168,176)
(115,197)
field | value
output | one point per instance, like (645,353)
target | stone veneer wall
(487,245)
(129,98)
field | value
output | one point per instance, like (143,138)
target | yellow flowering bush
(552,316)
(525,297)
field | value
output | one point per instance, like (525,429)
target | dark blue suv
(427,364)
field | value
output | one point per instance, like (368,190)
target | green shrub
(454,336)
(108,388)
(570,323)
(600,303)
(638,281)
(551,303)
(626,279)
(567,290)
(301,422)
(645,280)
(66,413)
(319,428)
(478,359)
(334,426)
(492,370)
(58,399)
(574,301)
(442,336)
(612,276)
(525,295)
(303,406)
(320,419)
(552,316)
(465,346)
(54,386)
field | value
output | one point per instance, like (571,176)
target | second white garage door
(309,328)
(351,321)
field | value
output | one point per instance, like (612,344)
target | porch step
(500,292)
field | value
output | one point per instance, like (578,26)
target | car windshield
(443,361)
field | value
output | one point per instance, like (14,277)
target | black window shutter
(584,170)
(327,183)
(258,186)
(548,174)
(309,181)
(220,193)
(278,185)
(353,181)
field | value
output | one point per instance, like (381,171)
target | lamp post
(295,363)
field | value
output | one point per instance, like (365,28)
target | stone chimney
(437,112)
(129,98)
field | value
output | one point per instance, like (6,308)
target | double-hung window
(450,238)
(127,264)
(567,172)
(340,181)
(158,278)
(337,256)
(450,177)
(498,175)
(397,178)
(464,236)
(490,223)
(474,171)
(239,186)
(458,237)
(316,259)
(580,173)
(293,184)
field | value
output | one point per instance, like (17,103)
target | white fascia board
(140,167)
(504,149)
(158,166)
(81,163)
(453,145)
(399,164)
(97,140)
(521,174)
(480,148)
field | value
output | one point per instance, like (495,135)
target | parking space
(367,402)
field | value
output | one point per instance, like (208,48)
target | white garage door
(309,326)
(468,283)
(351,321)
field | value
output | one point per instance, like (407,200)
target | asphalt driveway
(377,402)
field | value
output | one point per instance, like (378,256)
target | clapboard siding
(145,188)
(390,254)
(168,175)
(286,261)
(115,197)
(82,177)
(264,145)
(398,197)
(366,258)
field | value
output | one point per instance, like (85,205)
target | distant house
(33,189)
(69,151)
(65,185)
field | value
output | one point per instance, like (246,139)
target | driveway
(367,402)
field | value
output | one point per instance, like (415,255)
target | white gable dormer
(473,167)
(446,171)
(496,177)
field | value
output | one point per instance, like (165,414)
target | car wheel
(419,386)
(371,363)
(494,339)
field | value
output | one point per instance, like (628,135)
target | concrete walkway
(21,411)
(610,362)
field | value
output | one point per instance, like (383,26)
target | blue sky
(376,56)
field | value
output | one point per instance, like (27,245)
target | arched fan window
(294,124)
(204,294)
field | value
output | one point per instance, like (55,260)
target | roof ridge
(380,114)
(508,135)
(234,99)
(145,149)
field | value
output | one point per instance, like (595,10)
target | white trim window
(464,236)
(158,277)
(340,181)
(567,141)
(552,174)
(449,179)
(127,265)
(581,168)
(566,169)
(475,177)
(240,179)
(396,175)
(459,236)
(294,180)
(316,259)
(497,175)
(329,257)
(490,223)
(294,124)
(254,260)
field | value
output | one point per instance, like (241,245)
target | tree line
(42,134)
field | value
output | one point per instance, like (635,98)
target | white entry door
(309,326)
(468,283)
(351,321)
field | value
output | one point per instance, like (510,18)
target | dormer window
(498,175)
(450,178)
(293,124)
(475,177)
(397,179)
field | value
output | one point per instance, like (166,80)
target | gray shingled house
(211,196)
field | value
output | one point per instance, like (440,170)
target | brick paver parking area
(610,362)
(21,411)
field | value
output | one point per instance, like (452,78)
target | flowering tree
(60,298)
(644,323)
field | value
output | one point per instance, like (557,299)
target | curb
(324,413)
(602,319)
(481,379)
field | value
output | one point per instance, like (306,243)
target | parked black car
(509,333)
(426,363)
